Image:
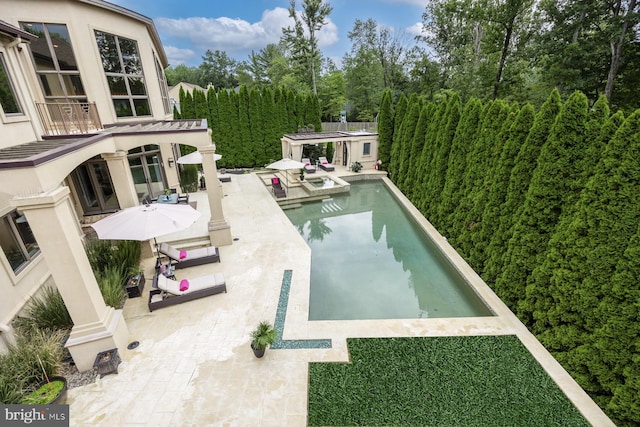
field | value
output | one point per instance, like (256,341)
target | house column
(122,179)
(97,327)
(219,228)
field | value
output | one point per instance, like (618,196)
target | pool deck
(194,366)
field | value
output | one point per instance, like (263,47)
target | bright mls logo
(36,415)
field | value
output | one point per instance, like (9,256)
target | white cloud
(328,34)
(178,56)
(226,34)
(236,36)
(416,29)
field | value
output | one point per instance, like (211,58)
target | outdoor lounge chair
(223,176)
(191,257)
(325,165)
(167,292)
(308,167)
(182,198)
(277,188)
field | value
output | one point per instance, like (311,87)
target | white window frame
(11,117)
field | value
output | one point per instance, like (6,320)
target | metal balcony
(69,118)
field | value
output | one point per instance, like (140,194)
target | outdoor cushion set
(325,165)
(308,167)
(191,257)
(167,290)
(277,188)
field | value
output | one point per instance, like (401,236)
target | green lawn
(440,381)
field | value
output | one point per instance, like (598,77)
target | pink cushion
(183,254)
(307,164)
(325,163)
(184,285)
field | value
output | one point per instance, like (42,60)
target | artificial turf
(437,381)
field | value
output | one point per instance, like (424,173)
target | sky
(188,28)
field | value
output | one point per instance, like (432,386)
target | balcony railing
(69,118)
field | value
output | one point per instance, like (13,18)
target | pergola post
(219,228)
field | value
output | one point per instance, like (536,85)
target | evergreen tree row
(247,125)
(545,206)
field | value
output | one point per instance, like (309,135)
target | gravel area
(75,378)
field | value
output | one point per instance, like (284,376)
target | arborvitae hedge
(554,184)
(444,139)
(407,132)
(426,164)
(400,110)
(518,184)
(417,144)
(496,187)
(554,204)
(457,163)
(247,126)
(385,129)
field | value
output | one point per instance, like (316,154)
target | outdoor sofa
(191,257)
(223,176)
(167,292)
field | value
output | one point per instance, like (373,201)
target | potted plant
(262,337)
(302,174)
(51,390)
(356,166)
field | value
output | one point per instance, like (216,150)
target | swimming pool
(369,260)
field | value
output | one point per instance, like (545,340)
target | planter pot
(48,392)
(135,285)
(258,352)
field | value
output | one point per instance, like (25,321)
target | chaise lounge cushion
(190,257)
(197,284)
(308,167)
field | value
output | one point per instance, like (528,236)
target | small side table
(135,285)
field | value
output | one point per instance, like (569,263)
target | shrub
(189,178)
(47,312)
(99,253)
(125,257)
(111,285)
(22,367)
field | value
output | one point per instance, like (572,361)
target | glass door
(147,172)
(155,176)
(94,187)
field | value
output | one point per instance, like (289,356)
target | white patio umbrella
(286,164)
(195,158)
(146,222)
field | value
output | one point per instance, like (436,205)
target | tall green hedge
(247,126)
(546,208)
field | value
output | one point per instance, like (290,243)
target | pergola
(349,147)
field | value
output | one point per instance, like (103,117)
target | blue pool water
(370,260)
